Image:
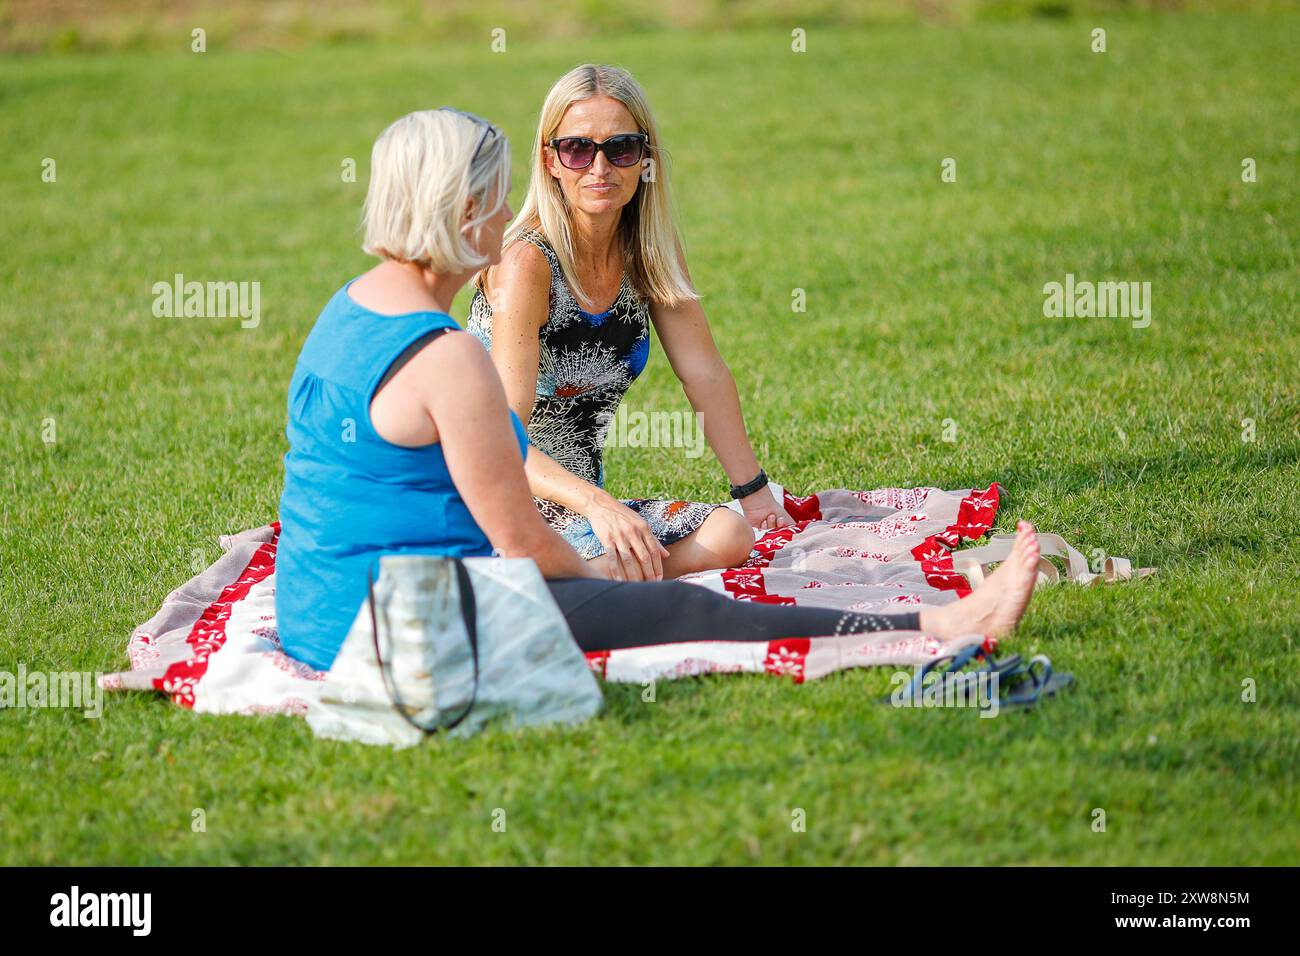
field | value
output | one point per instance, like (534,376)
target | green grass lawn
(818,171)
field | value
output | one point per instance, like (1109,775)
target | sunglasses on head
(579,152)
(489,129)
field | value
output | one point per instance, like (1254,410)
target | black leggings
(606,615)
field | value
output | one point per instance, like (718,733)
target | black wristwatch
(747,489)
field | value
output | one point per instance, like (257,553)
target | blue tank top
(349,495)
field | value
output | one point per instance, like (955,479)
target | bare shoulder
(452,372)
(518,288)
(453,367)
(523,267)
(455,356)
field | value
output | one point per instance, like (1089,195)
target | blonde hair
(422,173)
(647,227)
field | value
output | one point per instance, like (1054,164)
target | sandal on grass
(1001,666)
(1040,680)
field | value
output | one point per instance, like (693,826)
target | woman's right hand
(633,553)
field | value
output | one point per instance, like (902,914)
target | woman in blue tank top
(365,475)
(401,440)
(350,495)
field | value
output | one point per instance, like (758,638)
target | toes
(1026,540)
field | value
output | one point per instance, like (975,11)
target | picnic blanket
(213,646)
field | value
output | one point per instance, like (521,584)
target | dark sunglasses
(579,152)
(489,129)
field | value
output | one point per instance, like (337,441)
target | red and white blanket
(213,646)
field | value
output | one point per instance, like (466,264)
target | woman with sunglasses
(401,440)
(592,261)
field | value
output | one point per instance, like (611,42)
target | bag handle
(971,561)
(469,614)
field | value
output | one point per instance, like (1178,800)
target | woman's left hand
(763,511)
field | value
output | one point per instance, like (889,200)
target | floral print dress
(587,362)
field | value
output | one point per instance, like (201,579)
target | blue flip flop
(1040,681)
(1000,666)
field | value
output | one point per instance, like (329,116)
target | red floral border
(208,634)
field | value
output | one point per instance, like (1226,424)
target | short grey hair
(422,173)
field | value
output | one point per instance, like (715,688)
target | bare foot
(997,606)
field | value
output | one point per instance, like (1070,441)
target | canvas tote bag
(447,645)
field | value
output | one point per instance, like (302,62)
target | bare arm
(710,388)
(462,395)
(519,292)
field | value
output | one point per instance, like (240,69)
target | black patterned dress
(587,363)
